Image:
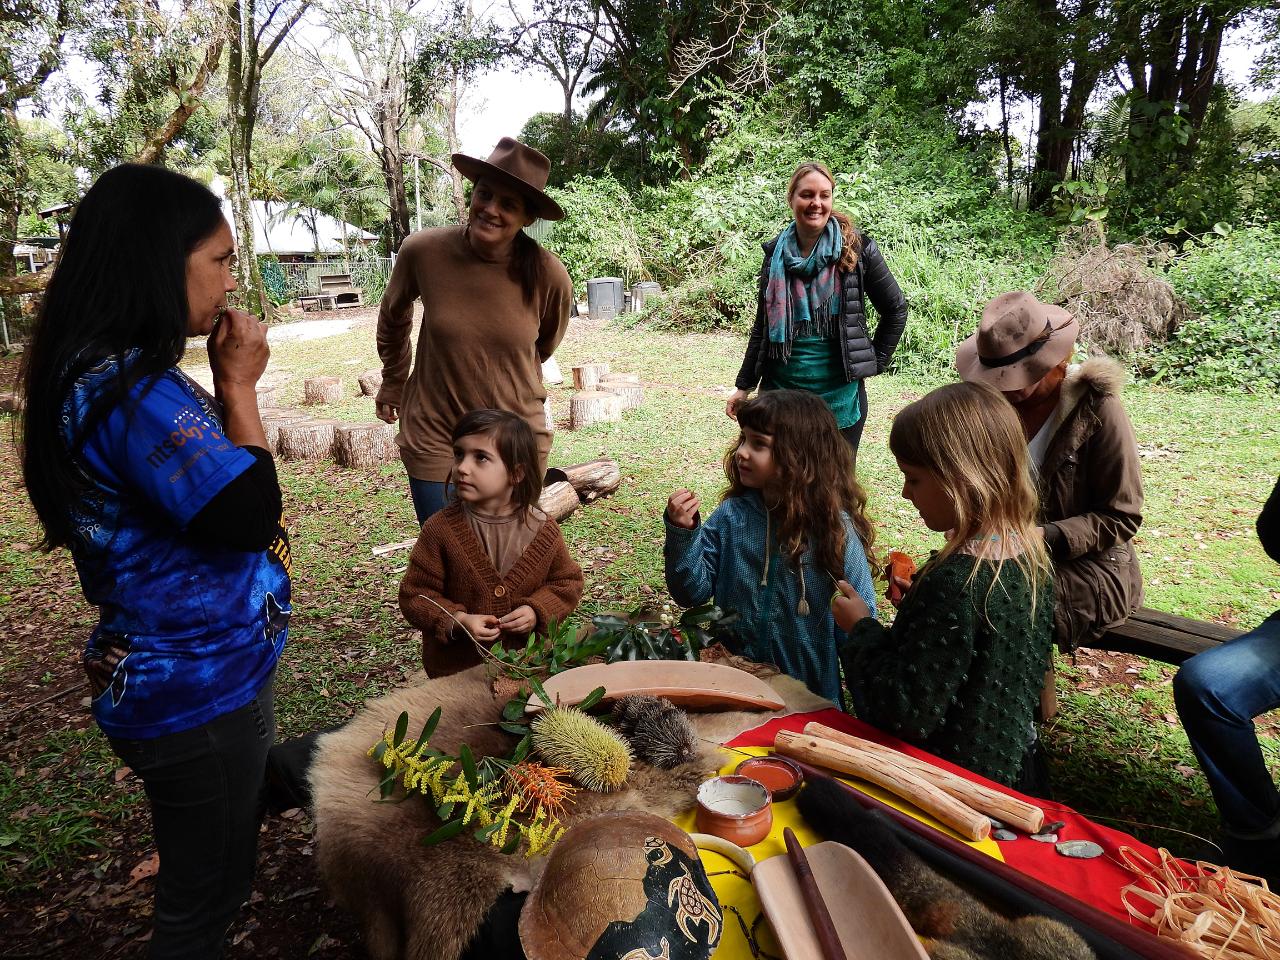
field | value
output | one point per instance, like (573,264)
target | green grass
(1209,462)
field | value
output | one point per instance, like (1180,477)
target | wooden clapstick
(819,915)
(966,821)
(993,803)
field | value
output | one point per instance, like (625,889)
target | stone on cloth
(426,903)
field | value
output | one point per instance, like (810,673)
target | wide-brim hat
(518,166)
(622,884)
(1018,341)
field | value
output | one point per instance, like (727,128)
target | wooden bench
(1164,637)
(338,286)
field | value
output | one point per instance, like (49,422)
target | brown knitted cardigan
(449,565)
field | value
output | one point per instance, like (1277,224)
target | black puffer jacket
(864,356)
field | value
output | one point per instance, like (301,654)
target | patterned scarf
(801,296)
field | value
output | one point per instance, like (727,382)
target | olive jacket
(1091,503)
(863,354)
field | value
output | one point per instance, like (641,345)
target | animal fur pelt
(959,925)
(426,903)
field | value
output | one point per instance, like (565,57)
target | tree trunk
(451,136)
(188,102)
(365,445)
(307,440)
(558,500)
(322,390)
(594,406)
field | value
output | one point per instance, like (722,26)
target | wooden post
(625,385)
(558,500)
(307,440)
(364,445)
(370,382)
(322,389)
(594,406)
(966,821)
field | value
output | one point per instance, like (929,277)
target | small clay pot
(780,776)
(734,808)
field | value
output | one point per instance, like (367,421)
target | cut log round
(267,396)
(593,479)
(551,371)
(364,445)
(594,406)
(588,375)
(625,385)
(370,382)
(546,413)
(274,420)
(306,440)
(558,500)
(322,389)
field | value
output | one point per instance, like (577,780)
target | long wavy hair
(119,285)
(813,484)
(852,248)
(969,438)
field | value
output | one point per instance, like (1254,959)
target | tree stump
(266,395)
(306,440)
(364,444)
(273,420)
(322,389)
(558,500)
(551,371)
(370,382)
(546,413)
(593,479)
(588,375)
(593,406)
(625,385)
(12,402)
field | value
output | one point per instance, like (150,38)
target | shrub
(273,280)
(1232,284)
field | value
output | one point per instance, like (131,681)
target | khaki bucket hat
(1018,341)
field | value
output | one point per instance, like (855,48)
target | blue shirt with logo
(198,627)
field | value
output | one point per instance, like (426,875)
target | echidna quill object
(596,756)
(659,731)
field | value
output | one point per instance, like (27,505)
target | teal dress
(815,365)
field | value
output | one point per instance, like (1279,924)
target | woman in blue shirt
(167,498)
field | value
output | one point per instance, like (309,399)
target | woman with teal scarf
(811,330)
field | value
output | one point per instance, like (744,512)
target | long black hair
(120,284)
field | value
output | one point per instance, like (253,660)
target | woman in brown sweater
(491,564)
(494,307)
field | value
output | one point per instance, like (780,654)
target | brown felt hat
(518,166)
(622,884)
(1018,341)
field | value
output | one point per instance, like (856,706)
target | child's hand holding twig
(520,620)
(847,607)
(682,508)
(481,626)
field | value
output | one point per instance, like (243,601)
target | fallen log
(558,500)
(966,821)
(307,440)
(364,445)
(993,803)
(593,479)
(322,389)
(594,406)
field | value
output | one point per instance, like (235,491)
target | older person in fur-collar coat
(1082,444)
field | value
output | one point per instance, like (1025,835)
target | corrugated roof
(280,229)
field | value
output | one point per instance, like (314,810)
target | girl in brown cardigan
(492,559)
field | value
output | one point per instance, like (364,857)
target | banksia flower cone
(596,757)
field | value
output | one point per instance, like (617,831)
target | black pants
(205,787)
(854,434)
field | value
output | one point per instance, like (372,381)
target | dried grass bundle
(1118,294)
(1212,910)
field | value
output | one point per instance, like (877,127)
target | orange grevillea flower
(539,785)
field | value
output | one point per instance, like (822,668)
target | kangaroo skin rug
(957,924)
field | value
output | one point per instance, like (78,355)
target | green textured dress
(959,673)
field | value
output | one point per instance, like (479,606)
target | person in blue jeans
(167,498)
(1218,693)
